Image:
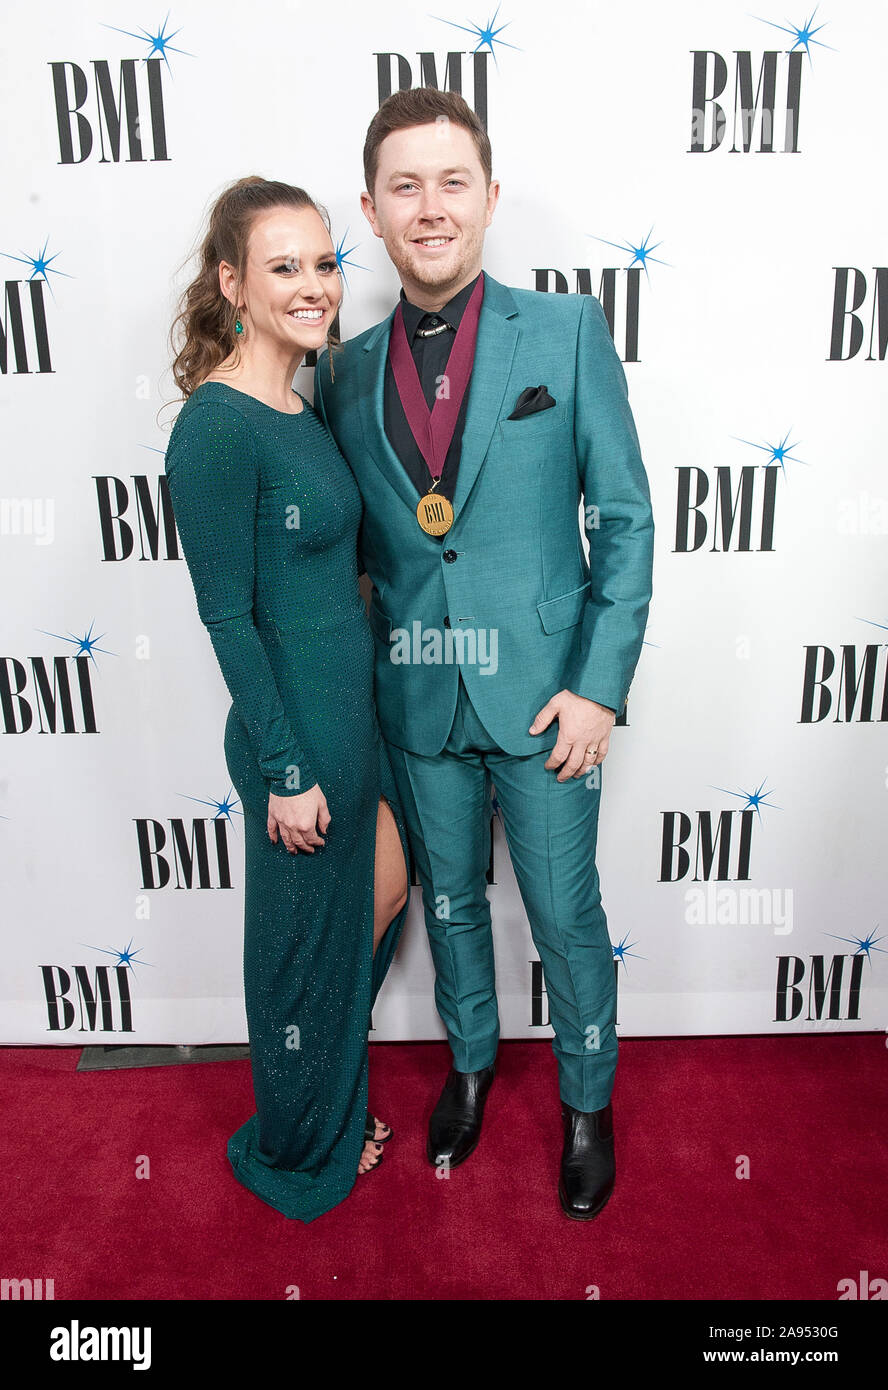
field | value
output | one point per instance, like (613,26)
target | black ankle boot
(455,1125)
(587,1161)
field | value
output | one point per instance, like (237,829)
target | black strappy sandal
(370,1131)
(370,1138)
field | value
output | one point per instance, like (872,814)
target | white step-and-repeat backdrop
(717,179)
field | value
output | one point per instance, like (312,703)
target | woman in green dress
(268,514)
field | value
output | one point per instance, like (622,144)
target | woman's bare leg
(390,889)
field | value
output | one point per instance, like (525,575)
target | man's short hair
(422,106)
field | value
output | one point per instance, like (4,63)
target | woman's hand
(300,820)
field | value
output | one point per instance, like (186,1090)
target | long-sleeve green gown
(268,512)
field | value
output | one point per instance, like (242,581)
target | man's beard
(432,274)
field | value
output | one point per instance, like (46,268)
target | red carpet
(808,1112)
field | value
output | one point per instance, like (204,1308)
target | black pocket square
(532,399)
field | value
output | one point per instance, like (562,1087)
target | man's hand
(583,732)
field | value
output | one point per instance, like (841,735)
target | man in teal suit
(475,418)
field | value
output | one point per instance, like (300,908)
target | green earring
(238,327)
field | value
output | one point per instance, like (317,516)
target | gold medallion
(434,514)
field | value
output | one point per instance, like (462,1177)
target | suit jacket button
(446,621)
(449,556)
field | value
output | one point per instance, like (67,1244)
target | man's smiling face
(431,205)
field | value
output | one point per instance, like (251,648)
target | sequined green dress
(268,512)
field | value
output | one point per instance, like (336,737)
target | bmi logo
(641,254)
(764,104)
(395,73)
(23,327)
(829,990)
(90,999)
(539,1001)
(190,854)
(716,856)
(142,506)
(732,507)
(547,279)
(113,108)
(51,695)
(829,987)
(695,846)
(847,684)
(847,325)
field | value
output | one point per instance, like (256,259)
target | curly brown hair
(205,320)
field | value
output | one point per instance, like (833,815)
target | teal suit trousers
(551,829)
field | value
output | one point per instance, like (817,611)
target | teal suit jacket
(516,576)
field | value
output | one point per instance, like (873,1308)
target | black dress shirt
(430,356)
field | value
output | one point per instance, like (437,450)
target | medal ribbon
(433,429)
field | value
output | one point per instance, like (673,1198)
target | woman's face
(292,286)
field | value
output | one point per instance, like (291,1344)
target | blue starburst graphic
(160,43)
(624,949)
(646,642)
(41,265)
(802,37)
(342,256)
(85,645)
(222,808)
(777,453)
(870,623)
(641,253)
(486,34)
(753,799)
(125,957)
(863,944)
